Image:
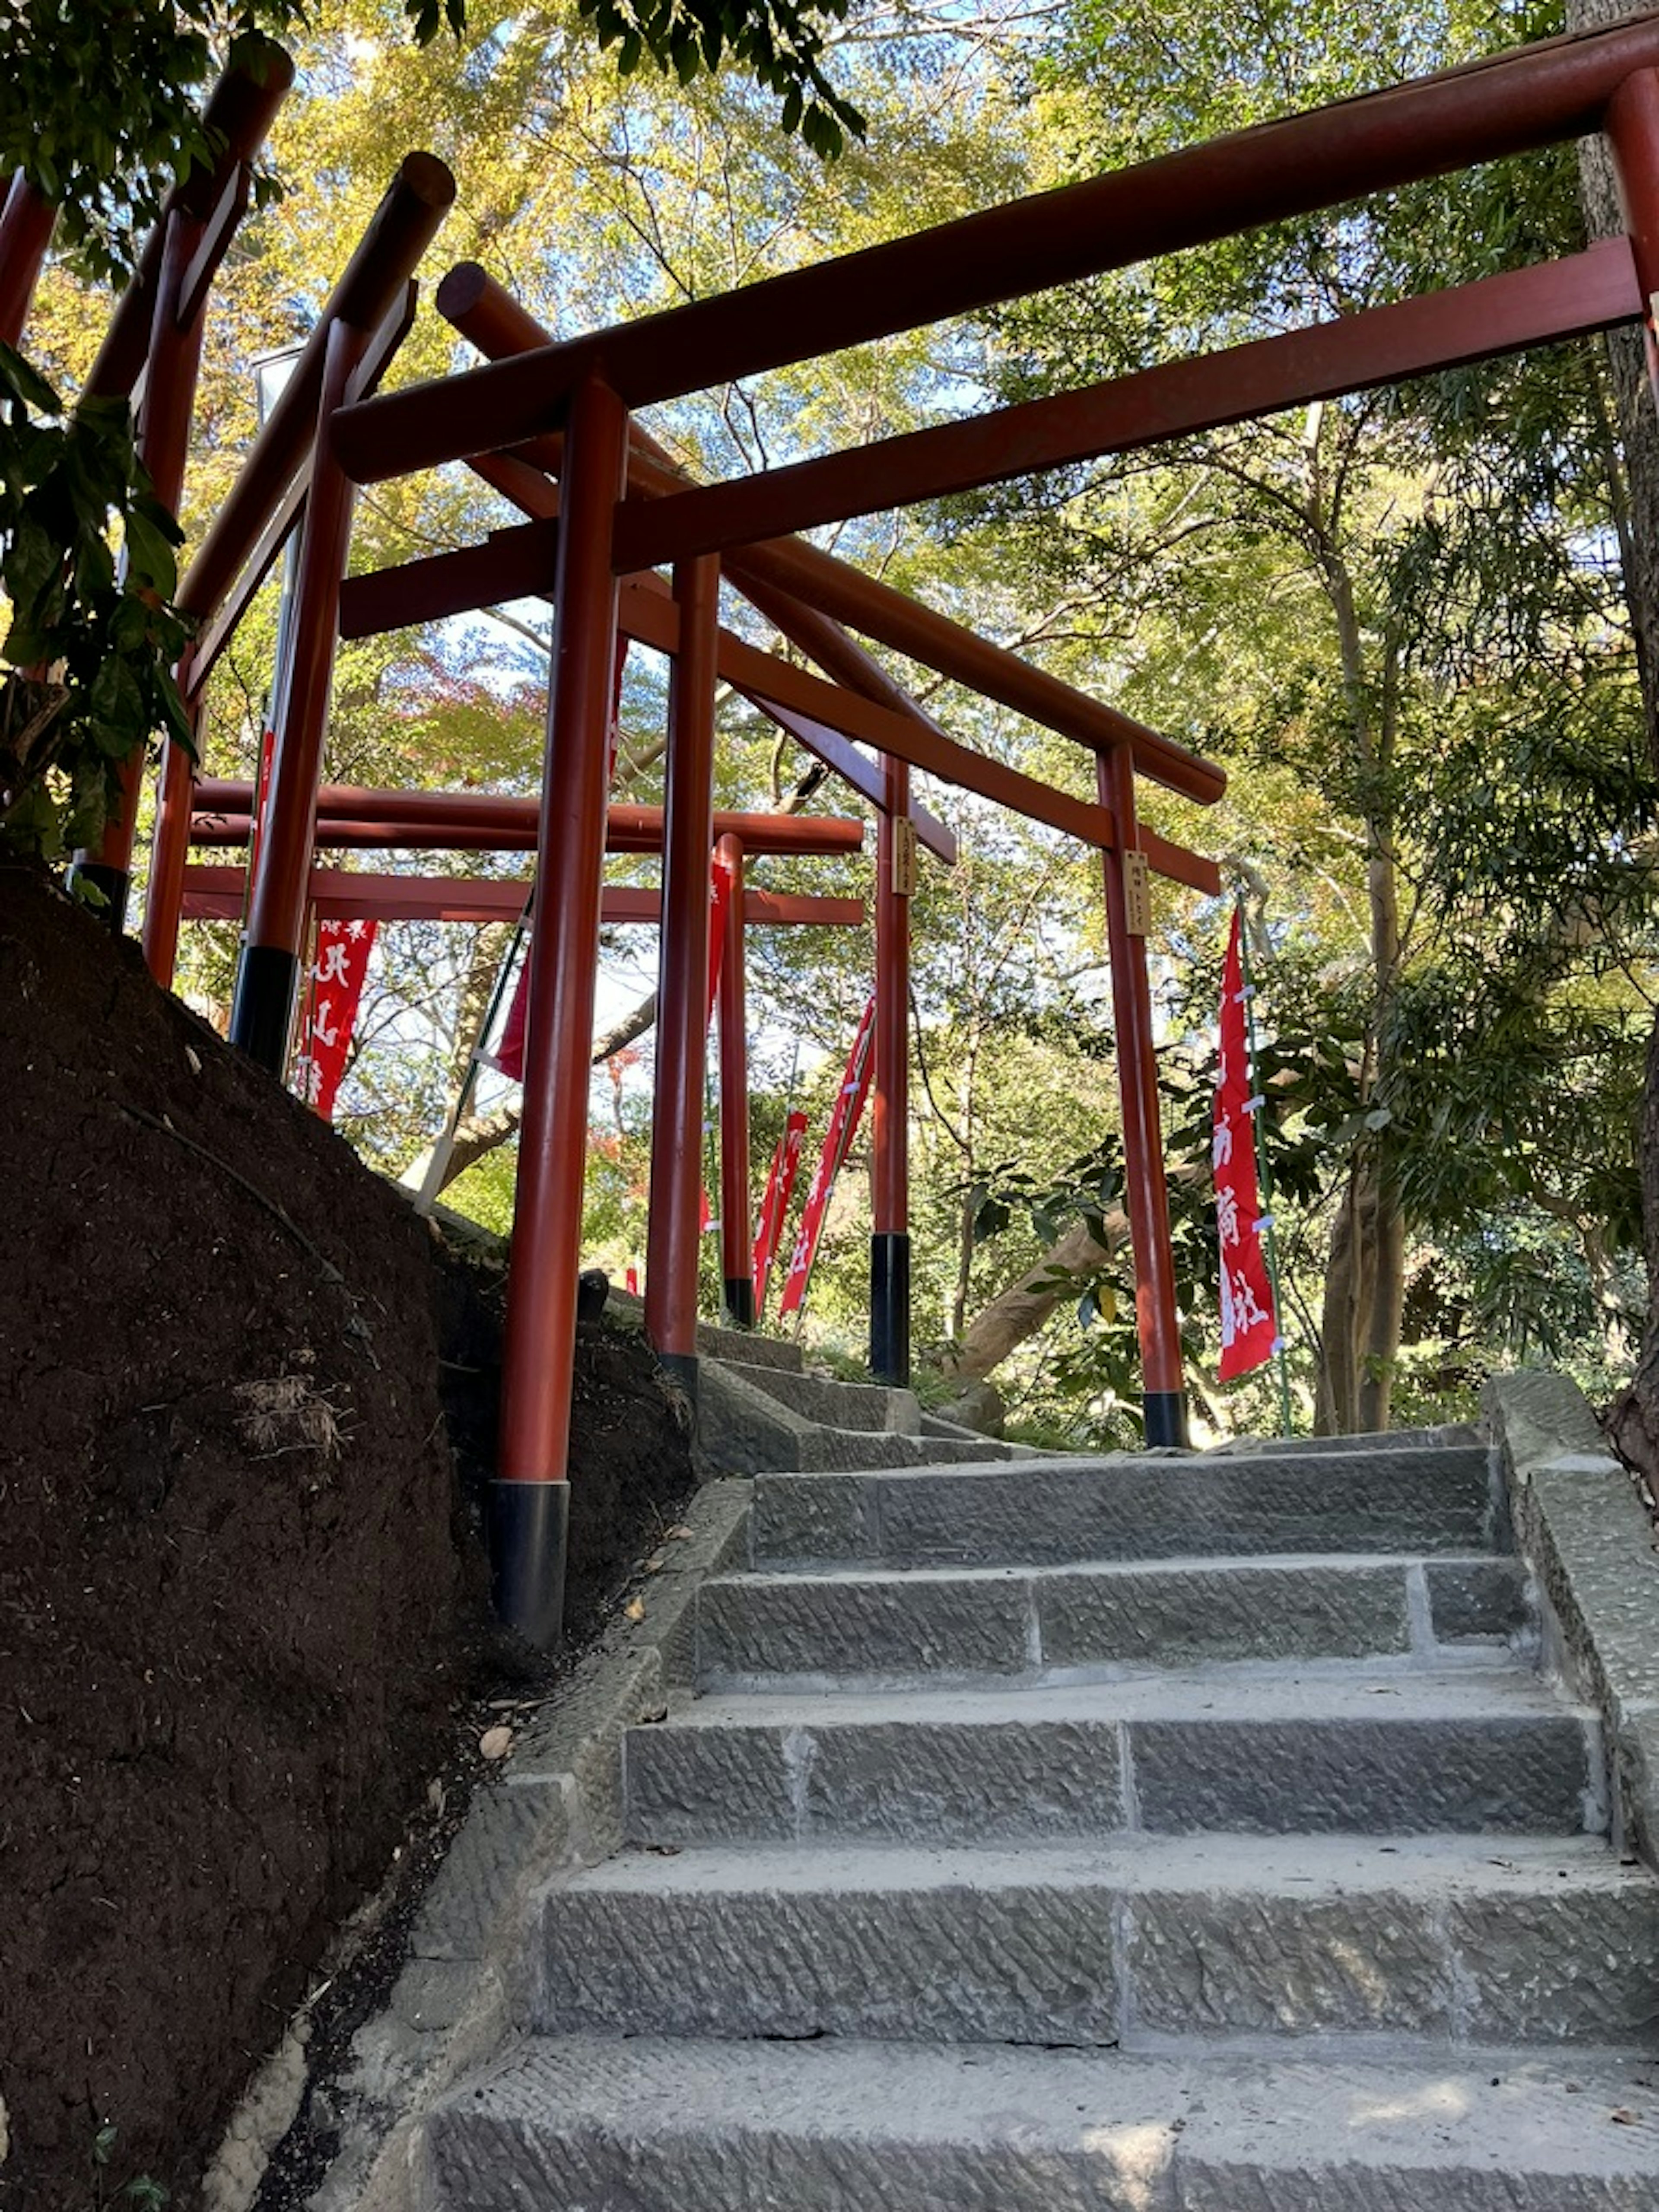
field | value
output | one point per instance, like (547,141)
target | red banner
(838,1143)
(719,901)
(336,985)
(1249,1334)
(775,1207)
(507,1055)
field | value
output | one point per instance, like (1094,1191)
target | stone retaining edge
(463,1992)
(1584,1529)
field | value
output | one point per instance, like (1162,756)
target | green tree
(1404,597)
(99,112)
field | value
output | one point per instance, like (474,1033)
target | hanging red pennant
(720,901)
(775,1207)
(336,982)
(838,1143)
(1250,1332)
(507,1055)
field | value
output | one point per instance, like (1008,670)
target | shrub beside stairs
(1146,1834)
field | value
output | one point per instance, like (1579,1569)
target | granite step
(851,1627)
(745,1427)
(835,1404)
(626,1309)
(1049,1512)
(1491,1752)
(1127,1943)
(654,2126)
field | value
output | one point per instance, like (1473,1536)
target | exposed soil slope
(237,1584)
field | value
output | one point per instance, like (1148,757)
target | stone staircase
(1137,1835)
(760,1410)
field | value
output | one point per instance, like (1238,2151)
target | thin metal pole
(672,1233)
(530,1502)
(1263,1176)
(1157,1317)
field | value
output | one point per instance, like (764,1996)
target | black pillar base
(528,1534)
(115,885)
(681,1369)
(738,1295)
(261,1011)
(1166,1419)
(890,1308)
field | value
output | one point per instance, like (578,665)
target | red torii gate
(582,393)
(528,1522)
(541,406)
(351,818)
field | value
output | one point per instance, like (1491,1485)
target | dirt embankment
(241,1598)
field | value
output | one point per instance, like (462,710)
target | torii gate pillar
(890,1103)
(530,1498)
(1158,1321)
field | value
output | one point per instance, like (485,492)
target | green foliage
(141,2194)
(100,107)
(780,43)
(92,639)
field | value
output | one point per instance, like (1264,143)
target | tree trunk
(480,1134)
(1336,1393)
(1366,1293)
(1020,1310)
(1381,1340)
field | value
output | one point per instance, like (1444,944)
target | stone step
(837,1404)
(1483,1940)
(844,1627)
(624,1310)
(650,2126)
(1489,1751)
(1422,1498)
(743,1428)
(1444,1432)
(837,1450)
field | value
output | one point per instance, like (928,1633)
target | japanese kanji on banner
(838,1143)
(1249,1332)
(775,1207)
(335,986)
